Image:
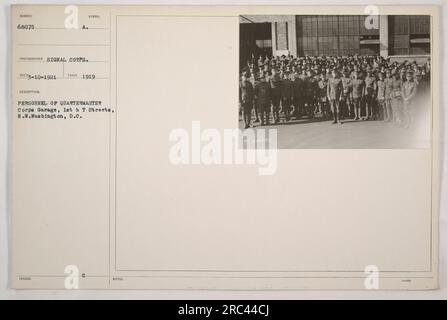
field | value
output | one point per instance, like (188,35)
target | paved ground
(318,134)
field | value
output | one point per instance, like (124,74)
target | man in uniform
(298,86)
(254,81)
(275,94)
(388,116)
(409,89)
(381,96)
(358,91)
(246,99)
(309,93)
(334,91)
(322,96)
(286,95)
(346,94)
(370,94)
(262,95)
(396,98)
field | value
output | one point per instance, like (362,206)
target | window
(334,35)
(264,44)
(409,35)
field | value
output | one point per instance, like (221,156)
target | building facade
(336,35)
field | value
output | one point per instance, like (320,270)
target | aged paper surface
(96,195)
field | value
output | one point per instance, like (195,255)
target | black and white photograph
(337,81)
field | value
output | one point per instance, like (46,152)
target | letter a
(71,21)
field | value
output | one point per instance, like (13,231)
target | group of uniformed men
(337,88)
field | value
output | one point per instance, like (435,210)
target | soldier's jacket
(409,90)
(275,85)
(286,88)
(298,87)
(381,89)
(310,87)
(246,91)
(388,87)
(423,83)
(360,74)
(358,86)
(322,88)
(370,86)
(253,81)
(347,85)
(334,88)
(396,92)
(262,92)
